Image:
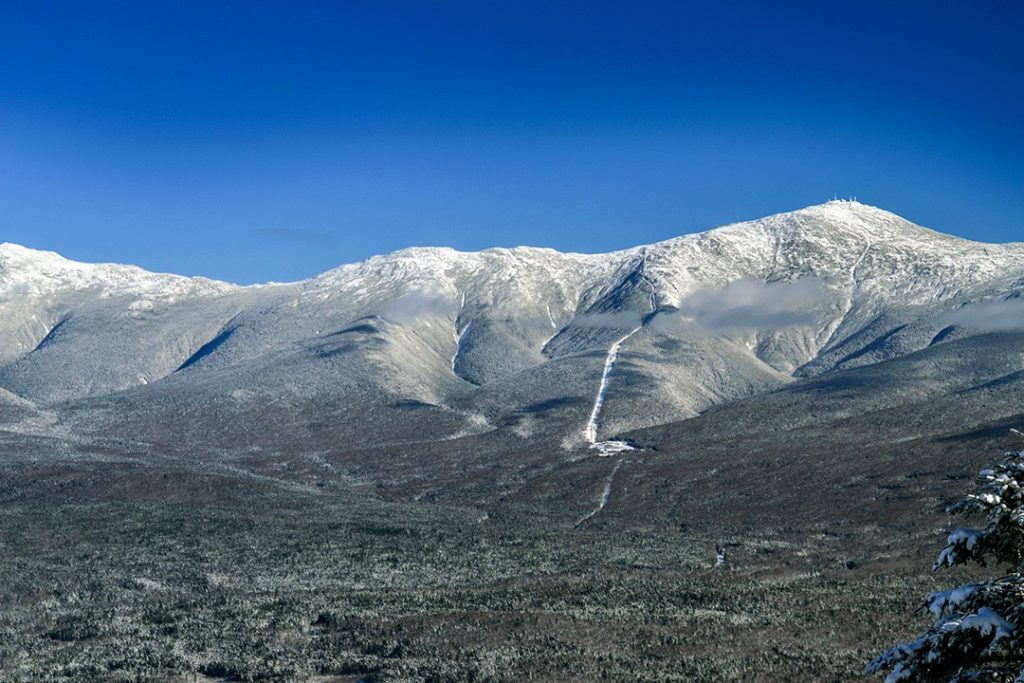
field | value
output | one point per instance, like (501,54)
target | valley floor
(281,589)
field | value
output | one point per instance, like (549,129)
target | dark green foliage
(977,634)
(286,590)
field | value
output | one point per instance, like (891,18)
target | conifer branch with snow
(978,633)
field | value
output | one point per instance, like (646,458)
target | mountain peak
(10,250)
(840,208)
(848,218)
(841,226)
(28,270)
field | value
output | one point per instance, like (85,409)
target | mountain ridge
(836,213)
(580,347)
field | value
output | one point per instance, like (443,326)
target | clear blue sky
(257,141)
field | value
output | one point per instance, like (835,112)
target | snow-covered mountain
(432,344)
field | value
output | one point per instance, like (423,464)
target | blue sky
(270,141)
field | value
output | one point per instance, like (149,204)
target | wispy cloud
(989,316)
(419,303)
(745,305)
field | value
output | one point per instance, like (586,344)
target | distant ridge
(513,341)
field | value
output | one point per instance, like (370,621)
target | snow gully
(607,448)
(605,495)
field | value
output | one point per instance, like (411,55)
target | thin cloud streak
(747,305)
(989,316)
(419,303)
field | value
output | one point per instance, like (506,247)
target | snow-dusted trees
(978,634)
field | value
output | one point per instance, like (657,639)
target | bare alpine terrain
(503,464)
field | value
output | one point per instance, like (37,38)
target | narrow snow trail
(590,431)
(650,283)
(458,346)
(848,303)
(555,331)
(853,274)
(606,448)
(606,493)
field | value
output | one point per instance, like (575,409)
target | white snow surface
(590,431)
(27,272)
(949,601)
(606,494)
(830,237)
(502,331)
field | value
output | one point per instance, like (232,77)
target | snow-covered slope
(69,329)
(504,339)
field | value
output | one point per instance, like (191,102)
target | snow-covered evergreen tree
(978,634)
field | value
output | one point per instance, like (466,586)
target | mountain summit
(443,344)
